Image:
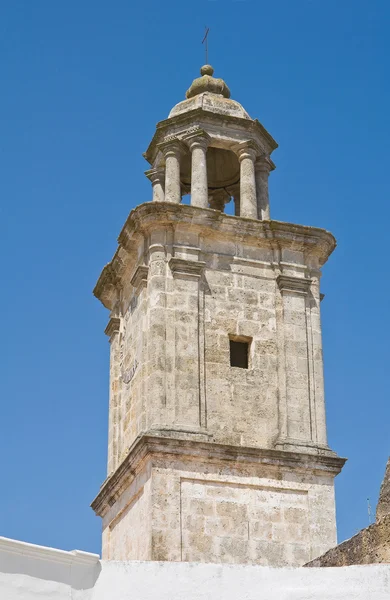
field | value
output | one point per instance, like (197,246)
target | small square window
(239,353)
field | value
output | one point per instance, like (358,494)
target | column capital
(247,149)
(172,147)
(140,276)
(291,283)
(264,164)
(113,327)
(155,175)
(185,267)
(198,138)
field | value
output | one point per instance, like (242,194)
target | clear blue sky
(83,85)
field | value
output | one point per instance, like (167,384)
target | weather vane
(206,42)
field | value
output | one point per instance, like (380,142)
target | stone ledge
(147,446)
(314,242)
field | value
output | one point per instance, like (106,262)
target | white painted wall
(29,572)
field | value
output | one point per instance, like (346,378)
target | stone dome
(210,94)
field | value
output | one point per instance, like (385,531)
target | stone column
(248,203)
(263,166)
(156,176)
(172,151)
(197,144)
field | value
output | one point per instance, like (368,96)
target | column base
(306,447)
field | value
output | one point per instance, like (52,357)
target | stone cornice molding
(289,283)
(316,244)
(311,240)
(202,118)
(107,288)
(150,446)
(183,266)
(156,175)
(50,554)
(113,326)
(140,277)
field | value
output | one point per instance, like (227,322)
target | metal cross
(205,39)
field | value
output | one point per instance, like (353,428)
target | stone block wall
(190,289)
(190,503)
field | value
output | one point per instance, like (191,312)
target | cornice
(198,117)
(149,446)
(106,288)
(316,244)
(312,240)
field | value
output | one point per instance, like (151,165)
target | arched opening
(223,177)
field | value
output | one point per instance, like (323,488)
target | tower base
(188,500)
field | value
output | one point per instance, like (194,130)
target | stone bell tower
(217,439)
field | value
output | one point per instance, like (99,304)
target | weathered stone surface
(197,151)
(195,501)
(371,545)
(188,281)
(383,507)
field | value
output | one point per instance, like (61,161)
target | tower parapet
(217,434)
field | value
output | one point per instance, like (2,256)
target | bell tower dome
(217,445)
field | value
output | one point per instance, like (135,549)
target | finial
(208,83)
(207,70)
